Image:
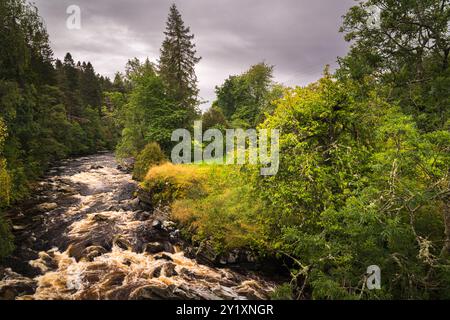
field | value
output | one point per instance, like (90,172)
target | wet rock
(159,293)
(90,253)
(142,216)
(127,165)
(163,256)
(49,259)
(122,243)
(135,204)
(168,226)
(156,272)
(19,228)
(242,257)
(13,285)
(188,273)
(157,225)
(46,207)
(175,236)
(230,258)
(206,254)
(146,200)
(169,270)
(115,208)
(158,247)
(251,257)
(154,247)
(100,218)
(76,251)
(67,190)
(114,279)
(126,192)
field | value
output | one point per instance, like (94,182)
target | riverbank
(83,235)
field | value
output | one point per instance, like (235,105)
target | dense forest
(50,109)
(364,151)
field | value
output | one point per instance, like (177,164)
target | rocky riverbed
(84,235)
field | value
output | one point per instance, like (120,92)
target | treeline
(364,168)
(49,109)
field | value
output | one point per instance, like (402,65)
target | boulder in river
(142,216)
(46,207)
(90,253)
(154,247)
(168,270)
(157,225)
(158,247)
(13,285)
(153,292)
(122,243)
(206,254)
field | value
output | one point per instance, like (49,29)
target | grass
(210,201)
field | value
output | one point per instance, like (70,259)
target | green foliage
(149,114)
(245,98)
(358,185)
(152,155)
(408,50)
(282,292)
(214,119)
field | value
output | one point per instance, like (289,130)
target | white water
(95,245)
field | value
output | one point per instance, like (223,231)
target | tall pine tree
(177,63)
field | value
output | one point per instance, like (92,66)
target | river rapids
(82,236)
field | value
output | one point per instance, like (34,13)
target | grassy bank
(211,202)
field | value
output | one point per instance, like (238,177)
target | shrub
(282,292)
(151,155)
(165,183)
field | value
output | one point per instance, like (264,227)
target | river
(82,235)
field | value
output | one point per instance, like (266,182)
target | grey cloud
(299,37)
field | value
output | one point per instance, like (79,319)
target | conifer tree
(90,87)
(177,63)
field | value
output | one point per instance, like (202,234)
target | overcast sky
(298,37)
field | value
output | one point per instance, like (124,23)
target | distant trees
(214,119)
(245,98)
(149,114)
(90,87)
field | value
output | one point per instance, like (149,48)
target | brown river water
(82,235)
